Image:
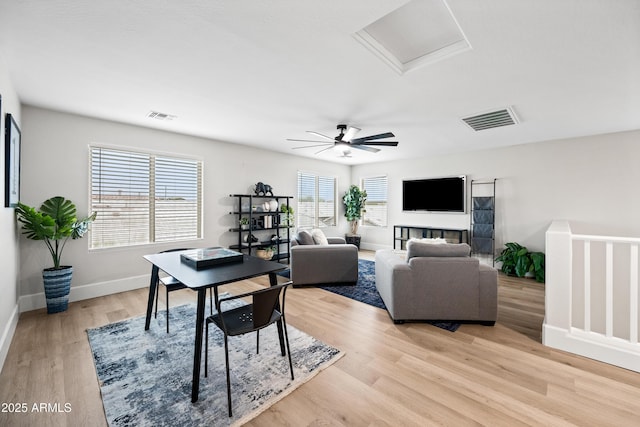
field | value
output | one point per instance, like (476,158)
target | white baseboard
(93,290)
(622,354)
(373,247)
(7,334)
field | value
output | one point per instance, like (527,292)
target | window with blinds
(316,200)
(375,213)
(143,198)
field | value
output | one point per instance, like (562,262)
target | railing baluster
(609,290)
(633,295)
(587,285)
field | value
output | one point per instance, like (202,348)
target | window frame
(168,160)
(368,203)
(317,178)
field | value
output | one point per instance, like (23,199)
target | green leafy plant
(537,265)
(54,224)
(518,261)
(288,217)
(244,223)
(354,200)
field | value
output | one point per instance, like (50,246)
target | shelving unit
(263,225)
(483,218)
(402,233)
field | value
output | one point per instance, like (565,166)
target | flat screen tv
(435,194)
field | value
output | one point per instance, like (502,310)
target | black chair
(264,310)
(172,284)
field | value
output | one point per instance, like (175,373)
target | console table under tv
(402,233)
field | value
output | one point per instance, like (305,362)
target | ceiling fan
(344,141)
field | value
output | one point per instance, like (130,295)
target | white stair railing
(591,296)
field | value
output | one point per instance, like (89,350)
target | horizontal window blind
(316,200)
(143,198)
(375,213)
(326,201)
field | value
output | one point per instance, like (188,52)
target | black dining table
(201,280)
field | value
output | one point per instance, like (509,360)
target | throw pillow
(433,241)
(318,237)
(304,238)
(421,249)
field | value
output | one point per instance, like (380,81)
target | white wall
(8,238)
(591,181)
(55,162)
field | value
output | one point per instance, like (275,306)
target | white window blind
(376,205)
(143,198)
(316,200)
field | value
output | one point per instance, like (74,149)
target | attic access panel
(419,33)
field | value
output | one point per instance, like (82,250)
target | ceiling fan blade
(324,149)
(308,140)
(365,148)
(372,137)
(351,132)
(386,143)
(311,146)
(321,135)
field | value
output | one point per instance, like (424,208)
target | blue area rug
(365,291)
(145,376)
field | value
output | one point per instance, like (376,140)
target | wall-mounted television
(446,194)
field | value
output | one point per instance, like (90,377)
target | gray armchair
(322,262)
(437,282)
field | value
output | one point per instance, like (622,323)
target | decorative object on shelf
(518,261)
(54,223)
(265,253)
(354,200)
(263,189)
(268,221)
(273,205)
(288,218)
(251,237)
(244,223)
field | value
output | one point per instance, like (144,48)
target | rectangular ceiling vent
(160,116)
(492,119)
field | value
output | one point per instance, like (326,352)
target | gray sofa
(436,282)
(322,262)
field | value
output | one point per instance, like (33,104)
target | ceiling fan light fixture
(342,148)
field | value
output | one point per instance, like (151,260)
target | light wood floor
(391,375)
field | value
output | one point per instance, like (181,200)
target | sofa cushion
(304,238)
(318,237)
(421,249)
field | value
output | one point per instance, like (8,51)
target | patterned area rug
(365,291)
(145,376)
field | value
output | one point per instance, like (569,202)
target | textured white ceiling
(258,72)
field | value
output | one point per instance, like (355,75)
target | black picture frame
(12,162)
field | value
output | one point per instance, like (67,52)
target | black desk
(200,281)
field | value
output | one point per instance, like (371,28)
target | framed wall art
(12,162)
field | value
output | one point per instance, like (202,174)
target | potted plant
(266,253)
(288,218)
(354,200)
(518,261)
(54,224)
(244,223)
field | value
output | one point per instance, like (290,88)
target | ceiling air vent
(492,119)
(160,116)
